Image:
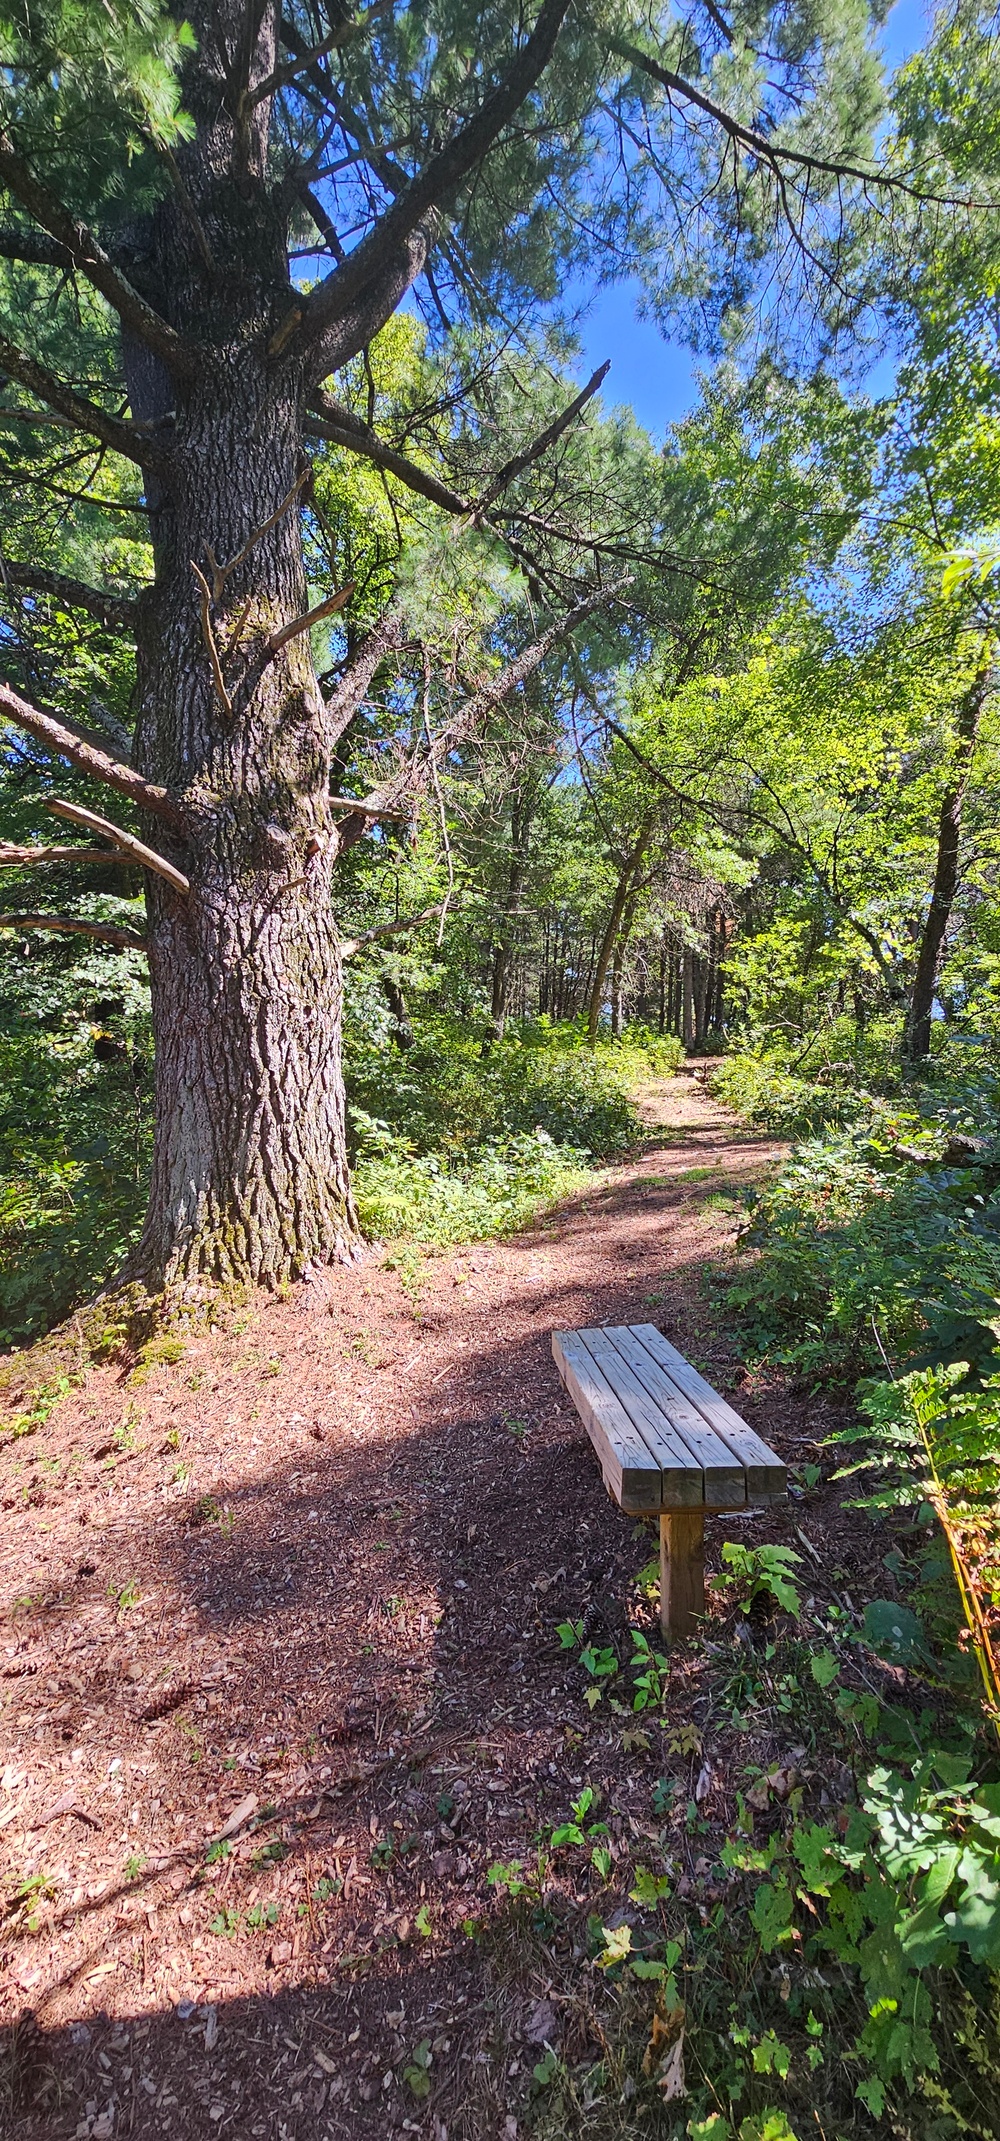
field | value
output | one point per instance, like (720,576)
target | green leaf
(649,1889)
(824,1668)
(772,1911)
(894,1633)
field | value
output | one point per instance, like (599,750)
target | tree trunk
(619,905)
(617,987)
(687,999)
(249,1165)
(250,1177)
(700,998)
(403,1031)
(521,817)
(917,1036)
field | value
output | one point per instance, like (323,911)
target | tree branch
(16,858)
(105,932)
(412,778)
(34,249)
(306,621)
(343,428)
(384,638)
(115,611)
(357,802)
(351,945)
(365,267)
(362,318)
(83,415)
(135,850)
(540,445)
(93,262)
(341,34)
(58,738)
(769,152)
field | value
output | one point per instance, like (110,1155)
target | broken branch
(357,802)
(307,620)
(411,779)
(540,445)
(16,858)
(351,945)
(105,932)
(221,573)
(135,850)
(62,740)
(210,640)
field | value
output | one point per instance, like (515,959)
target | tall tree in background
(161,182)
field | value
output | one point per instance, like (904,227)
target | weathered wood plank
(682,1571)
(630,1471)
(724,1475)
(766,1476)
(682,1468)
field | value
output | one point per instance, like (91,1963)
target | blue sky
(658,376)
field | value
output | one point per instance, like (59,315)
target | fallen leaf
(671,2083)
(543,2023)
(659,2042)
(241,1814)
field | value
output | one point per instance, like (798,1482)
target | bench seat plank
(631,1473)
(634,1367)
(679,1462)
(766,1476)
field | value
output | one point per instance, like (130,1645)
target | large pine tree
(205,225)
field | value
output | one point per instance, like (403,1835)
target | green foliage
(453,1144)
(753,1572)
(913,1881)
(74,1130)
(449,1144)
(871,1240)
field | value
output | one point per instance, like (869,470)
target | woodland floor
(302,1583)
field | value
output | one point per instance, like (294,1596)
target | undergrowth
(451,1139)
(792,1924)
(879,1237)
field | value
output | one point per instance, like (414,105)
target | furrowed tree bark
(917,1034)
(250,1173)
(249,1178)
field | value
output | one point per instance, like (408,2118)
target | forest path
(308,1575)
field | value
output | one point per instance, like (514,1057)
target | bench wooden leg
(682,1570)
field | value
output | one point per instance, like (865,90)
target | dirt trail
(301,1584)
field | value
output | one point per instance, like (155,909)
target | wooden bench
(668,1446)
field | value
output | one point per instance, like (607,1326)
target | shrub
(878,1237)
